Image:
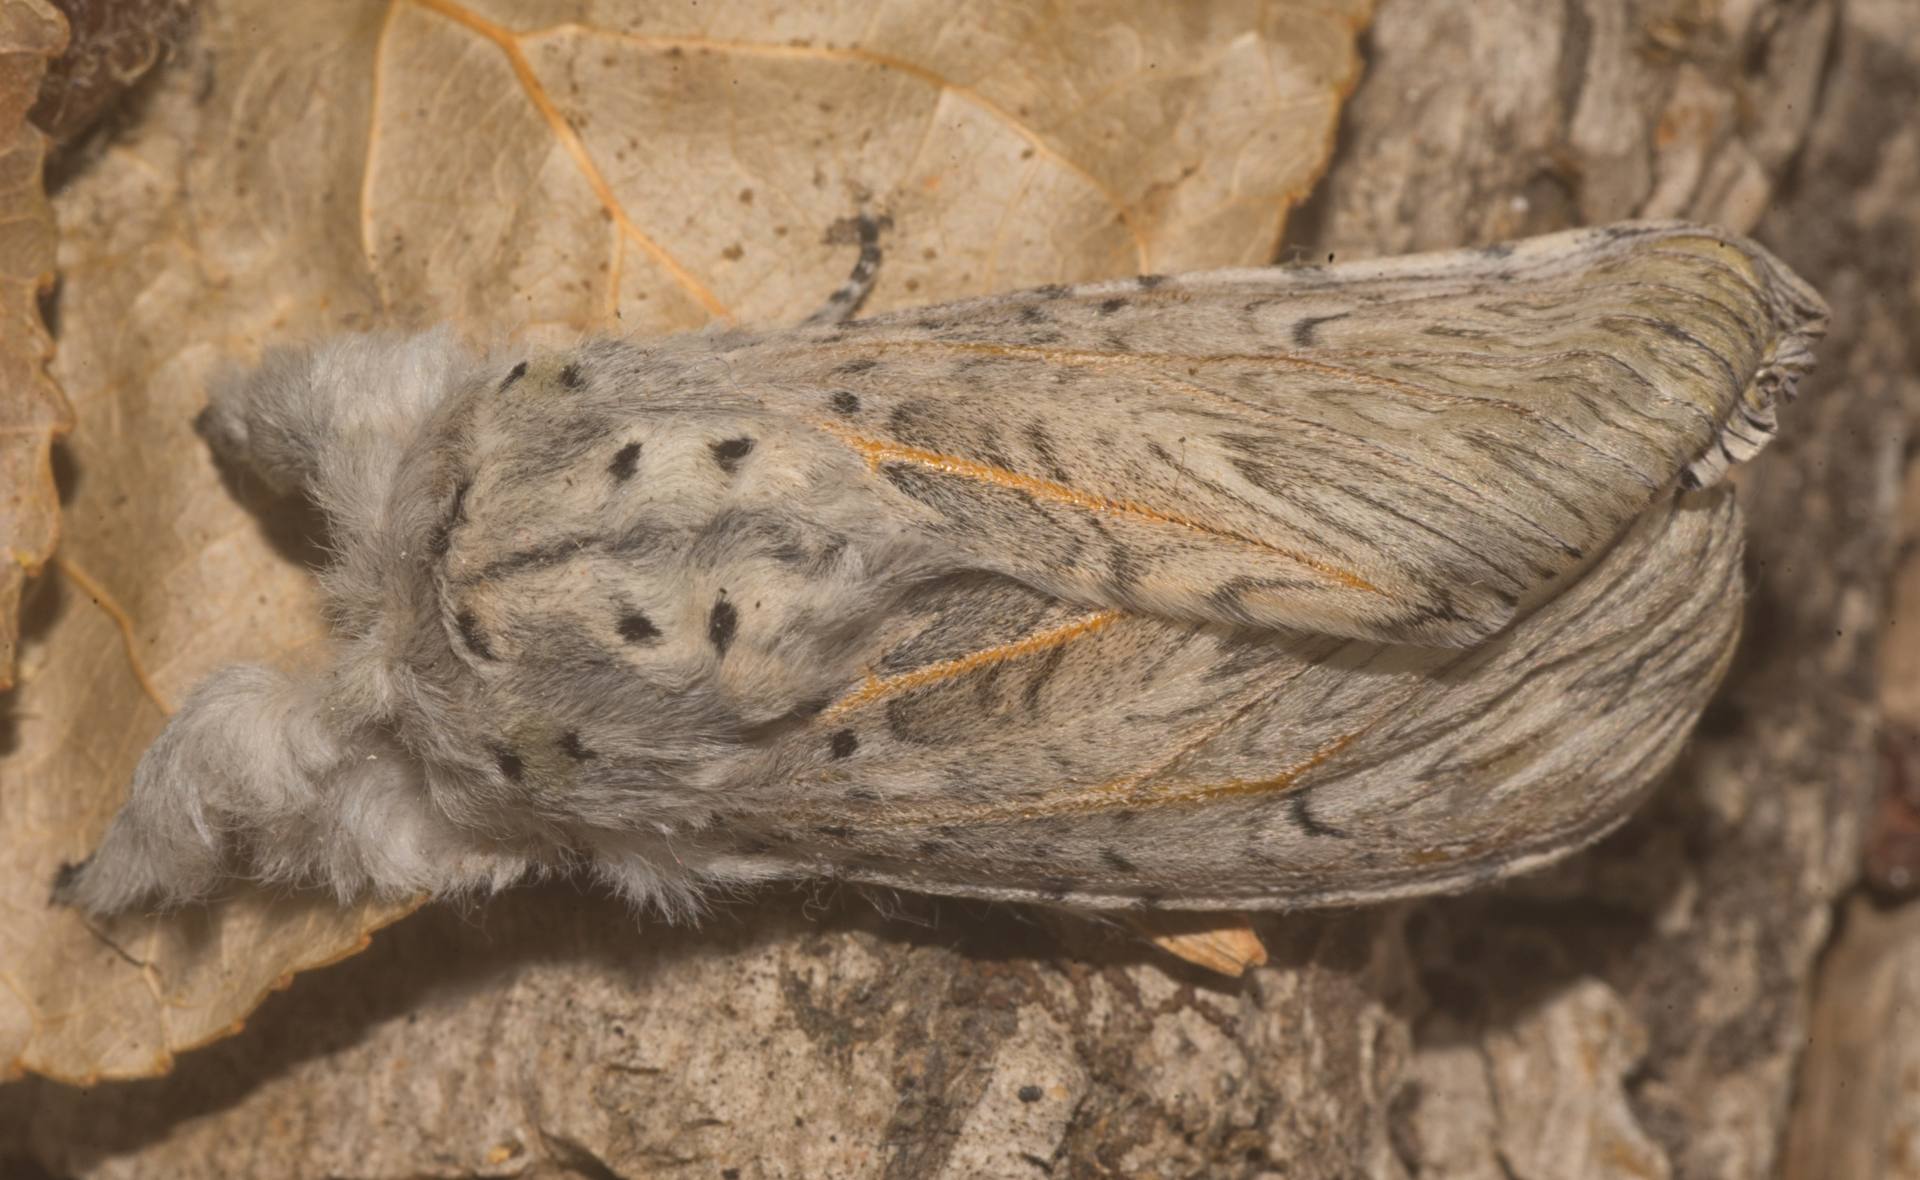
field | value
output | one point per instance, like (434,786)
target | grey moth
(1246,589)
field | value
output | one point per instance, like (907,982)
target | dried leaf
(1225,944)
(32,410)
(622,166)
(114,44)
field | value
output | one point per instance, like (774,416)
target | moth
(1255,588)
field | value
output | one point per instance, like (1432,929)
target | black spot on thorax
(1149,282)
(1109,306)
(728,453)
(843,743)
(571,377)
(722,622)
(625,462)
(511,764)
(574,748)
(514,374)
(637,628)
(844,402)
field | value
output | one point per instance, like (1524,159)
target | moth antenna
(843,303)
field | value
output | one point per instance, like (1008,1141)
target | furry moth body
(1252,588)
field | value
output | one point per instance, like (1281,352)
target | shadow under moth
(1258,588)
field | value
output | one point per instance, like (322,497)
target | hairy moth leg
(841,305)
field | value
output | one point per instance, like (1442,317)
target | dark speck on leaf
(65,878)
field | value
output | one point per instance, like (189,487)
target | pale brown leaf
(1225,944)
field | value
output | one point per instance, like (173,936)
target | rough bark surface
(1857,1111)
(1640,1011)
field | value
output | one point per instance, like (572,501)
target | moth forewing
(1247,589)
(1399,451)
(1241,769)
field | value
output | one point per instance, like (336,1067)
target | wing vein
(879,452)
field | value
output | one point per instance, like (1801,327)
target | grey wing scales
(1253,588)
(1352,583)
(1038,752)
(1406,451)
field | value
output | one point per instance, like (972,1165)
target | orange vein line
(121,619)
(1261,693)
(375,100)
(879,451)
(1121,792)
(1234,787)
(876,688)
(509,43)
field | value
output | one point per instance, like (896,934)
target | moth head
(340,421)
(309,416)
